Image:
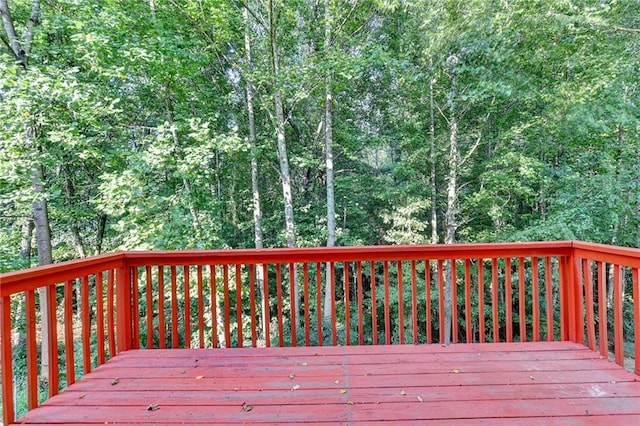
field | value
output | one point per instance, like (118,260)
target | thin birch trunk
(285,176)
(328,139)
(255,187)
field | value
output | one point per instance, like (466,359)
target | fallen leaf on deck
(532,378)
(343,391)
(296,387)
(115,381)
(199,377)
(350,402)
(336,382)
(82,396)
(456,371)
(402,392)
(153,407)
(291,376)
(420,398)
(246,407)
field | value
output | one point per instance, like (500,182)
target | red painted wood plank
(300,413)
(412,383)
(603,394)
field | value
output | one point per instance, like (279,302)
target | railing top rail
(624,256)
(30,279)
(338,254)
(13,282)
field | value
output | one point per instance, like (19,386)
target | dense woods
(184,124)
(225,124)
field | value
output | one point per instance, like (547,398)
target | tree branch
(10,31)
(34,20)
(626,30)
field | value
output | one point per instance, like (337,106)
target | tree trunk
(450,215)
(102,225)
(43,241)
(73,222)
(285,176)
(255,187)
(432,160)
(328,139)
(25,242)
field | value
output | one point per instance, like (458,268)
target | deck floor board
(518,383)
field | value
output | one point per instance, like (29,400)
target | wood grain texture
(519,383)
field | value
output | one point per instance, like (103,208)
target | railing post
(123,307)
(572,309)
(8,413)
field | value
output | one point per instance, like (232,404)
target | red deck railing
(378,295)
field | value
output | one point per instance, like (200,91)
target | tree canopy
(482,120)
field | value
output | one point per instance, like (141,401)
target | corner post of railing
(573,298)
(124,299)
(8,414)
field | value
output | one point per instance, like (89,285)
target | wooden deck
(501,383)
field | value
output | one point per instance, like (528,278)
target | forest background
(180,124)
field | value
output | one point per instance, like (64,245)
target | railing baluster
(293,303)
(602,306)
(414,301)
(467,301)
(111,329)
(635,279)
(214,305)
(564,278)
(494,300)
(162,338)
(86,326)
(266,306)
(280,308)
(54,383)
(535,299)
(238,272)
(427,297)
(400,302)
(149,300)
(374,304)
(522,307)
(252,303)
(199,283)
(175,341)
(319,311)
(347,304)
(6,357)
(68,332)
(441,300)
(508,297)
(187,307)
(200,307)
(454,301)
(387,315)
(617,315)
(481,313)
(548,292)
(334,326)
(588,288)
(227,306)
(32,352)
(307,306)
(100,317)
(360,304)
(135,310)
